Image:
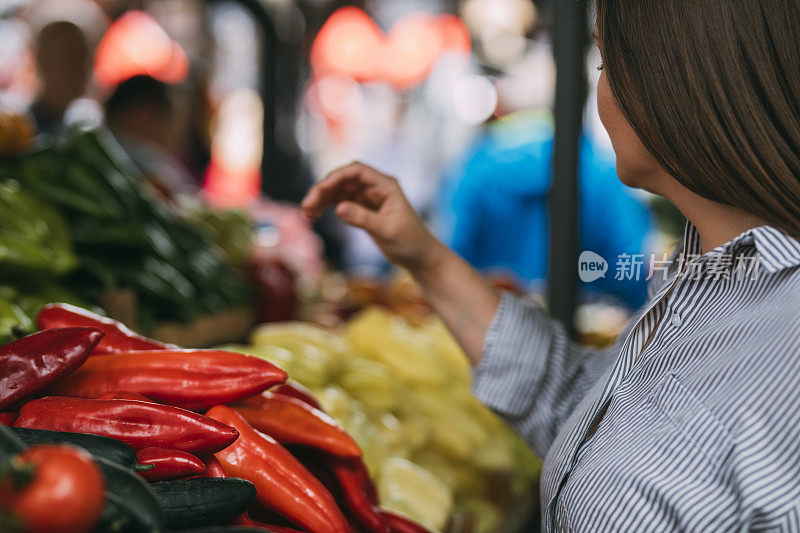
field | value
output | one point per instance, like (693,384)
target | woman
(692,421)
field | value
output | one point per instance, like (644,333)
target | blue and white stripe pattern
(698,402)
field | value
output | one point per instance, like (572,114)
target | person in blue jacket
(494,207)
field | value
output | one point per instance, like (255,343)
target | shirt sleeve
(531,374)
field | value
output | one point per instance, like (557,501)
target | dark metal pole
(268,90)
(569,38)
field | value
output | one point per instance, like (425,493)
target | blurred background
(153,155)
(246,103)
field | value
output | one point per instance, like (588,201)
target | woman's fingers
(359,216)
(341,184)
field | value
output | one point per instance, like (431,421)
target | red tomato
(66,493)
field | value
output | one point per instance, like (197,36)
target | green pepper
(13,322)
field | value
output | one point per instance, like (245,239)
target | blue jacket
(495,212)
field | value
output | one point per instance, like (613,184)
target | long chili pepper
(349,480)
(168,464)
(118,338)
(31,363)
(123,395)
(192,379)
(214,468)
(402,524)
(356,488)
(136,423)
(292,422)
(283,484)
(246,521)
(296,390)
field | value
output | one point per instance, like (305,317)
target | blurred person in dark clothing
(63,59)
(141,115)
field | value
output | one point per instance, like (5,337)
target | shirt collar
(776,249)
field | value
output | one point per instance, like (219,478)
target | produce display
(78,214)
(402,392)
(100,436)
(35,251)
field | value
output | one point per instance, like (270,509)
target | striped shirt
(698,402)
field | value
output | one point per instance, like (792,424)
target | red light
(349,44)
(225,187)
(413,45)
(135,44)
(455,35)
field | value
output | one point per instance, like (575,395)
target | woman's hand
(367,199)
(373,201)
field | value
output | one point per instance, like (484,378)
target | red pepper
(123,395)
(214,468)
(292,422)
(246,521)
(282,483)
(359,469)
(402,524)
(296,390)
(8,418)
(358,492)
(275,529)
(31,363)
(169,464)
(138,424)
(350,481)
(118,338)
(192,379)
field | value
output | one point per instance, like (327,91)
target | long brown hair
(712,88)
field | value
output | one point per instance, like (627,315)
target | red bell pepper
(168,464)
(296,390)
(192,379)
(7,418)
(136,423)
(402,524)
(118,338)
(31,363)
(292,422)
(282,483)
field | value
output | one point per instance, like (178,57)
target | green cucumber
(111,449)
(10,444)
(197,502)
(131,506)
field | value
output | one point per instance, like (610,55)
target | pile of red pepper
(187,414)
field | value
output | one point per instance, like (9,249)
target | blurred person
(691,421)
(496,201)
(393,150)
(141,115)
(63,60)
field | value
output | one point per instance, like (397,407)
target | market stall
(205,359)
(374,438)
(365,434)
